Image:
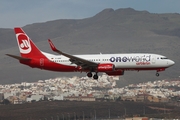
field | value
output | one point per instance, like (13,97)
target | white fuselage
(121,61)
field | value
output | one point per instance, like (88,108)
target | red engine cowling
(105,67)
(115,73)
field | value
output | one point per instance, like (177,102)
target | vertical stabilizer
(26,46)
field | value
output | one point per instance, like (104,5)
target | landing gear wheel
(157,74)
(95,76)
(89,74)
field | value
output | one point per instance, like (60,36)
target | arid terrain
(69,110)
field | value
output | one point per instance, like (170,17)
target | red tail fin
(26,46)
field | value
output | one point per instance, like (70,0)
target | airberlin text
(140,60)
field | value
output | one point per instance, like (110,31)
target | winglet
(52,45)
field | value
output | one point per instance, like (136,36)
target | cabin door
(153,59)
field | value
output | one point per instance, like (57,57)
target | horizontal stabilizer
(18,57)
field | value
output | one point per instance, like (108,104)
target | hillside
(110,31)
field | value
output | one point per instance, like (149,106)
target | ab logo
(24,43)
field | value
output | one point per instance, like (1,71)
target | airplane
(111,64)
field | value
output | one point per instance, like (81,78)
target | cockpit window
(164,58)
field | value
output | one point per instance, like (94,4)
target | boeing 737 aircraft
(111,64)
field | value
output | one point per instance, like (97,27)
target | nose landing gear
(159,70)
(157,74)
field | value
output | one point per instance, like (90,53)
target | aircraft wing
(86,64)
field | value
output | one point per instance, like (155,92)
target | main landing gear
(95,76)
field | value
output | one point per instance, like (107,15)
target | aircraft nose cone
(171,62)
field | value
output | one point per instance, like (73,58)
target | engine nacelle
(115,73)
(106,67)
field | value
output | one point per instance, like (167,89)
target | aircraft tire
(95,76)
(89,74)
(157,74)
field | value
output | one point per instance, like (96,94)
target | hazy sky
(18,13)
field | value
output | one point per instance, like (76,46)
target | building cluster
(87,89)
